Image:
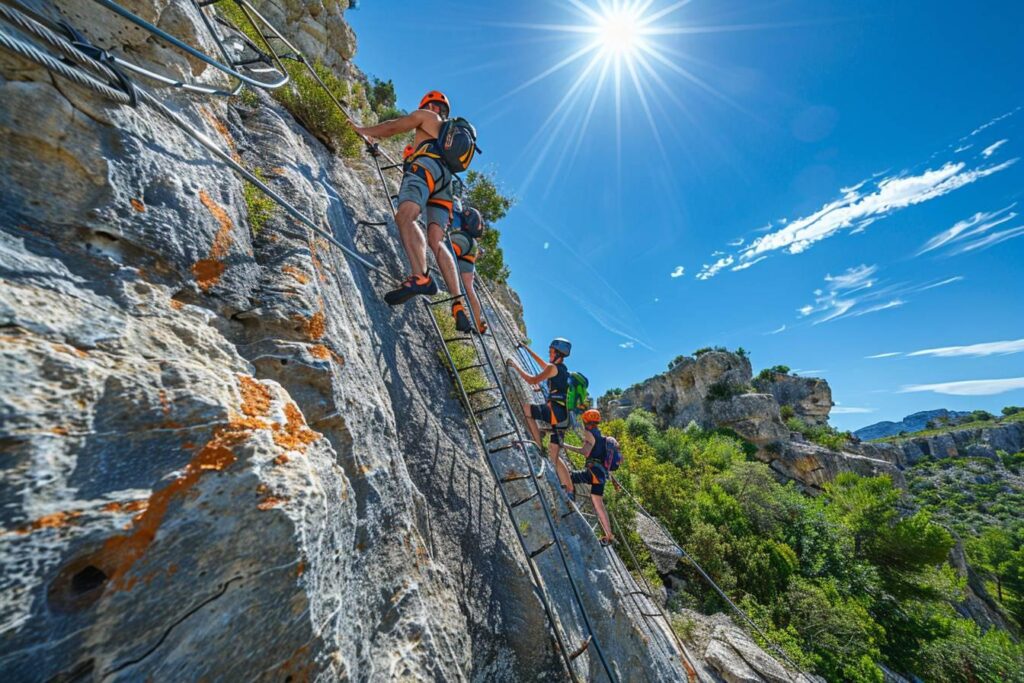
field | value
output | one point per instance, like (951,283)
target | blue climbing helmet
(562,346)
(472,223)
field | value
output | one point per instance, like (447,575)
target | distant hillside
(911,423)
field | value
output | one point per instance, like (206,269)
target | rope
(711,582)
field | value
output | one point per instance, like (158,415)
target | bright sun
(619,33)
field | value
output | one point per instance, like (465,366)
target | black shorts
(593,474)
(542,413)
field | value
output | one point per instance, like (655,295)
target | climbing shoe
(482,329)
(462,323)
(606,540)
(414,285)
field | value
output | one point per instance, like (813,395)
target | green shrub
(787,412)
(768,374)
(823,435)
(483,194)
(676,361)
(259,207)
(1012,410)
(708,349)
(249,97)
(723,391)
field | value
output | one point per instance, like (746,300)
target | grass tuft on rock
(259,207)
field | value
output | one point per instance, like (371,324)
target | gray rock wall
(223,456)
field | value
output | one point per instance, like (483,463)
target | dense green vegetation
(768,374)
(482,193)
(842,581)
(259,206)
(823,435)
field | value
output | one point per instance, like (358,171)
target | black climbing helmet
(562,346)
(472,222)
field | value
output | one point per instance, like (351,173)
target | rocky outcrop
(911,423)
(809,397)
(982,442)
(714,391)
(223,457)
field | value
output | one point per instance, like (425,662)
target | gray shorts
(428,184)
(465,266)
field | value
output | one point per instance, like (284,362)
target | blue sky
(827,181)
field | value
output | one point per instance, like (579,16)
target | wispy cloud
(858,291)
(967,232)
(851,410)
(991,149)
(801,371)
(974,387)
(1000,348)
(888,354)
(736,242)
(861,204)
(627,345)
(709,271)
(679,271)
(993,122)
(781,328)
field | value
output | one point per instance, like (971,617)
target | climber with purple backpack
(602,458)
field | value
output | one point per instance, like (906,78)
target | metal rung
(499,449)
(572,511)
(581,649)
(516,477)
(391,166)
(477,391)
(372,224)
(487,409)
(470,367)
(656,614)
(643,593)
(207,3)
(445,300)
(247,62)
(525,500)
(499,436)
(449,340)
(541,549)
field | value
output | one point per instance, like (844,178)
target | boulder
(809,397)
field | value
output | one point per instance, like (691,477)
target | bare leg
(531,424)
(602,514)
(412,236)
(435,238)
(467,282)
(560,469)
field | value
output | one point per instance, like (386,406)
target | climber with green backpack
(553,412)
(441,147)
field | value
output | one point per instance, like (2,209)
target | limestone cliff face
(223,457)
(717,389)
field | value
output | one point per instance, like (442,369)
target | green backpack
(576,399)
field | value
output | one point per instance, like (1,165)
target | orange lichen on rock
(120,553)
(59,431)
(221,129)
(297,668)
(282,459)
(270,502)
(255,396)
(295,435)
(130,506)
(301,568)
(165,404)
(178,305)
(314,327)
(296,273)
(208,271)
(56,520)
(319,351)
(70,350)
(137,205)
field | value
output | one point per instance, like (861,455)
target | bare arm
(416,119)
(548,372)
(584,450)
(537,358)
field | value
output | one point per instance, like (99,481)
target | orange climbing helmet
(407,151)
(591,416)
(437,97)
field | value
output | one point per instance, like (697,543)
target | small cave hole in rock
(284,361)
(88,579)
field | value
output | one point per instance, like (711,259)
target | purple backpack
(612,454)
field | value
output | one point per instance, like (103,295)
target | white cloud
(547,244)
(707,272)
(807,372)
(889,354)
(962,148)
(627,345)
(736,242)
(993,121)
(991,149)
(983,349)
(990,240)
(974,387)
(678,272)
(744,266)
(717,253)
(979,223)
(777,330)
(857,291)
(858,206)
(850,410)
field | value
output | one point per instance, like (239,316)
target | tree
(482,193)
(1012,410)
